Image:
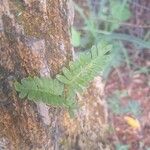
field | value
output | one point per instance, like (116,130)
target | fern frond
(84,69)
(41,89)
(76,78)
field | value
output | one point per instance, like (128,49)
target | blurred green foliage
(120,146)
(115,104)
(104,24)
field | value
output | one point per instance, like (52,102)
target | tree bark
(34,38)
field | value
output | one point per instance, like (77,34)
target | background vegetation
(113,21)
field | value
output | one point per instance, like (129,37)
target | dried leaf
(134,123)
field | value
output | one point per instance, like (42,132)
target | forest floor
(135,82)
(137,85)
(138,90)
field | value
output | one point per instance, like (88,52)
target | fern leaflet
(42,89)
(84,69)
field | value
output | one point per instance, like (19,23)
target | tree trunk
(34,38)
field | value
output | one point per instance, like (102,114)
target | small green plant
(120,146)
(115,105)
(62,90)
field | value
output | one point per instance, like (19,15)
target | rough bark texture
(34,38)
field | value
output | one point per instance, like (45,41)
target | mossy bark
(34,38)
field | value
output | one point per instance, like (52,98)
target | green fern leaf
(41,89)
(84,69)
(74,79)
